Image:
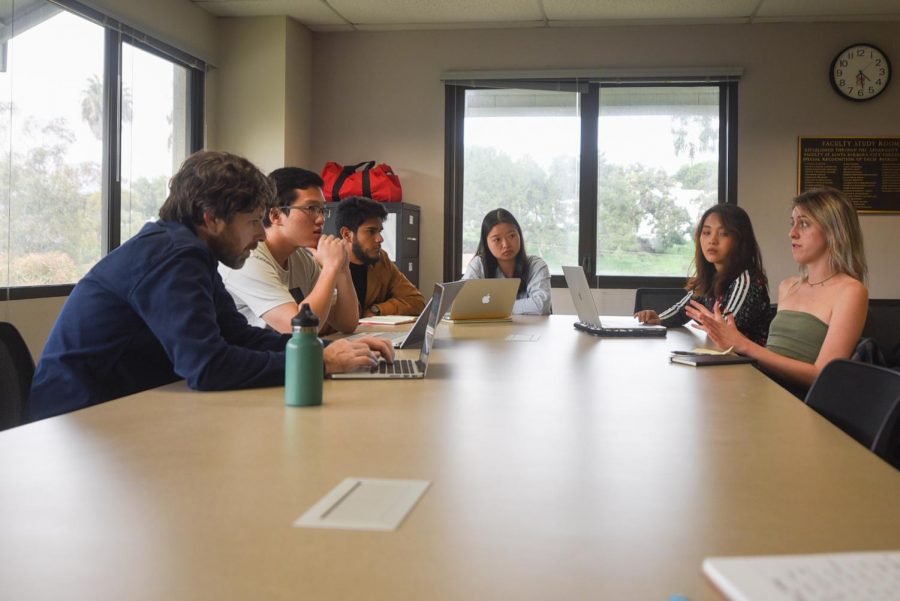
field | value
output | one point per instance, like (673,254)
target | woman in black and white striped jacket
(729,272)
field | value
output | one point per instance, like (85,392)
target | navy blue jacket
(151,312)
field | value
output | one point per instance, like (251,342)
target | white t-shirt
(261,284)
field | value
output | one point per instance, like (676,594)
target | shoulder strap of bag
(347,172)
(366,181)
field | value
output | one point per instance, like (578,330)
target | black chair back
(883,325)
(16,372)
(863,400)
(868,351)
(658,299)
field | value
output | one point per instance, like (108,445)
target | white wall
(379,96)
(250,95)
(33,318)
(178,23)
(298,85)
(262,108)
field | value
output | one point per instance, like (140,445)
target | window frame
(115,35)
(454,151)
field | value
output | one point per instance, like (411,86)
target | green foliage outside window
(641,228)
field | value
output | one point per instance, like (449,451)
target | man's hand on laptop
(352,355)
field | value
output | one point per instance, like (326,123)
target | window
(521,153)
(657,171)
(52,125)
(610,176)
(154,134)
(85,159)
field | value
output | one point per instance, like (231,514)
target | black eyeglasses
(312,211)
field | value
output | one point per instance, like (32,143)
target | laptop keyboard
(399,367)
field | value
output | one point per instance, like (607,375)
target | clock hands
(861,77)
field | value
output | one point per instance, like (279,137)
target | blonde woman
(822,311)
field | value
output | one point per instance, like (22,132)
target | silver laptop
(405,339)
(407,368)
(589,319)
(485,300)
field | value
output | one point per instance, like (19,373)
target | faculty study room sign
(867,170)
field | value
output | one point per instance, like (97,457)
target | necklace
(810,284)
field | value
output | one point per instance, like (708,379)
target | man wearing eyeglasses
(154,310)
(281,273)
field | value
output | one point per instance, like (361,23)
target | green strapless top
(797,335)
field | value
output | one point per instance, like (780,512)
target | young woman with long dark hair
(501,254)
(728,274)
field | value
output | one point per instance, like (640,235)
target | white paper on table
(523,337)
(364,504)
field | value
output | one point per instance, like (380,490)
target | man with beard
(295,264)
(154,310)
(381,288)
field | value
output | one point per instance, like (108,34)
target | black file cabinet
(401,235)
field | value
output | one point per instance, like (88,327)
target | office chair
(863,400)
(883,325)
(658,299)
(16,372)
(868,351)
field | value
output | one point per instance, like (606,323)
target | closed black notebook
(706,360)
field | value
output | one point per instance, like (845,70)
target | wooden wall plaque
(867,170)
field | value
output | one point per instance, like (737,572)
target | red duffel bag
(378,182)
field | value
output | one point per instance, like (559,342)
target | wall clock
(860,72)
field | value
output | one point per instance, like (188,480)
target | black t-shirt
(360,274)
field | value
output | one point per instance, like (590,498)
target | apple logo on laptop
(486,299)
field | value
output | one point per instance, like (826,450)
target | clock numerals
(860,72)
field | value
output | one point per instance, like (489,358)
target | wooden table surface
(569,467)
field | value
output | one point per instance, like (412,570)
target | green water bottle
(303,361)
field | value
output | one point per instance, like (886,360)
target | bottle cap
(305,318)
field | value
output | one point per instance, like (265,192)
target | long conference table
(562,466)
